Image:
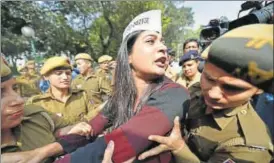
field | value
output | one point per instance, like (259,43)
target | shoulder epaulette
(251,125)
(32,109)
(76,90)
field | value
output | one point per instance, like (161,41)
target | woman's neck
(141,85)
(191,78)
(6,136)
(60,94)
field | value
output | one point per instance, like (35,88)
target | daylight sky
(207,10)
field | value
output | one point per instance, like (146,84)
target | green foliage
(83,26)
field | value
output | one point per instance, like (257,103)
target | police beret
(104,58)
(5,71)
(30,62)
(190,55)
(246,53)
(53,63)
(83,56)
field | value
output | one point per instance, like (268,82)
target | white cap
(149,21)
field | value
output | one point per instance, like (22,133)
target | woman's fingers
(177,126)
(159,139)
(108,152)
(166,143)
(152,152)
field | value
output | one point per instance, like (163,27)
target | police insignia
(229,161)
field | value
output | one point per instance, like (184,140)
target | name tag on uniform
(79,86)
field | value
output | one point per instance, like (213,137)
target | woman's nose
(162,48)
(64,76)
(215,93)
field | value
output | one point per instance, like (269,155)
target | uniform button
(243,112)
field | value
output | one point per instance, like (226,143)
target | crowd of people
(139,107)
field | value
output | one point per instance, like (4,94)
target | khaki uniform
(102,73)
(28,86)
(95,87)
(170,73)
(36,130)
(76,108)
(182,80)
(226,136)
(34,73)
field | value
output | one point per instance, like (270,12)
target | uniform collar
(184,79)
(87,77)
(100,70)
(197,77)
(224,117)
(48,93)
(31,76)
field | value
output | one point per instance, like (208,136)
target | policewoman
(227,129)
(96,86)
(27,84)
(72,105)
(28,127)
(104,62)
(31,68)
(189,63)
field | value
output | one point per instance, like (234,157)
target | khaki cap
(104,58)
(83,56)
(5,71)
(246,53)
(53,63)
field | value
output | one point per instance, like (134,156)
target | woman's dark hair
(191,40)
(119,108)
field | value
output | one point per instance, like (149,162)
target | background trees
(71,27)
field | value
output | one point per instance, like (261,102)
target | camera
(260,13)
(214,29)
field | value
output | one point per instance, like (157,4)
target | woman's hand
(81,128)
(172,143)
